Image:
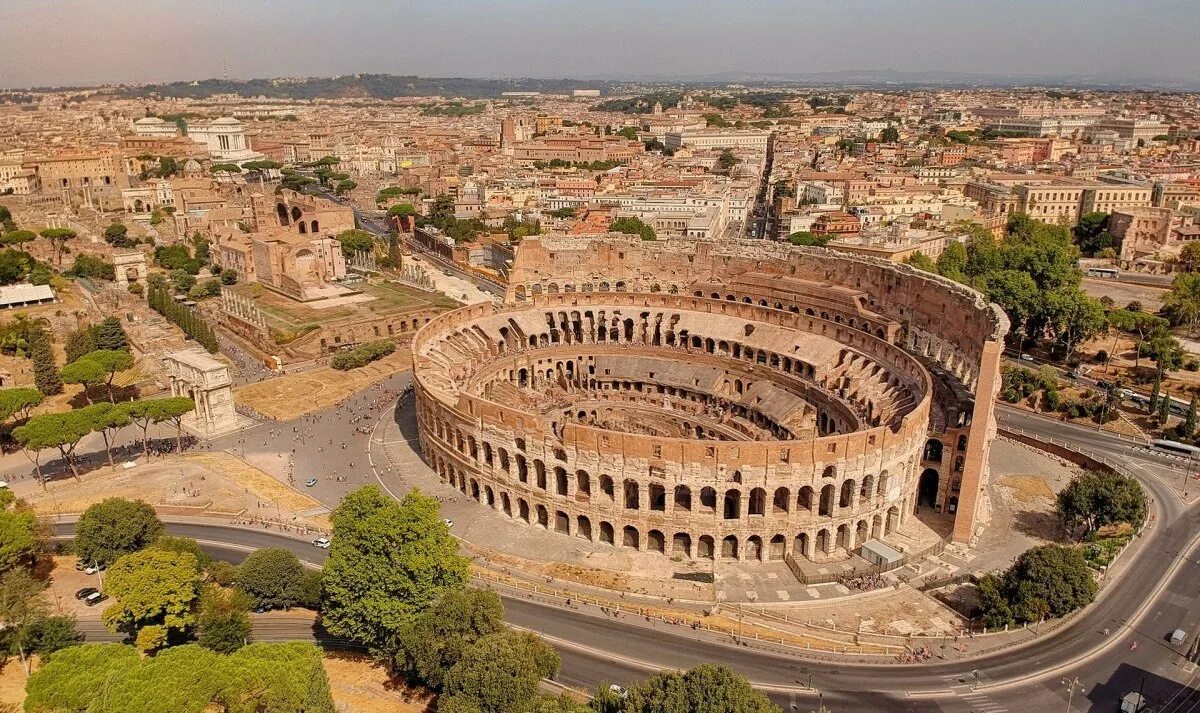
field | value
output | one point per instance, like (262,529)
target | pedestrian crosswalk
(963,687)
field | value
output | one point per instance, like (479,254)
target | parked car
(322,542)
(85,592)
(94,568)
(94,598)
(614,688)
(1026,357)
(310,482)
(449,522)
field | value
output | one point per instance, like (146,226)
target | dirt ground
(900,612)
(359,685)
(208,483)
(290,396)
(12,684)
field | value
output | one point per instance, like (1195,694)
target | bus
(1111,273)
(1176,447)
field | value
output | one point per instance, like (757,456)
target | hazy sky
(49,42)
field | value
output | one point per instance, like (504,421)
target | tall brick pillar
(983,430)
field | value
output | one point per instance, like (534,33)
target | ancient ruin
(741,400)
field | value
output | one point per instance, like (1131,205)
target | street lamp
(1071,686)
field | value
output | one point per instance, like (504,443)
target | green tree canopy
(805,237)
(272,577)
(85,372)
(115,527)
(440,636)
(223,621)
(152,588)
(1099,498)
(704,689)
(354,241)
(1045,581)
(1181,304)
(18,537)
(401,210)
(501,672)
(389,562)
(18,401)
(632,226)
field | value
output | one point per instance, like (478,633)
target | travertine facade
(741,400)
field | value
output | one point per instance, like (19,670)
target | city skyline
(151,41)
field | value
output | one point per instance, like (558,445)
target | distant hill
(362,86)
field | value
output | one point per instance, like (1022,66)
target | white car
(618,690)
(322,542)
(449,522)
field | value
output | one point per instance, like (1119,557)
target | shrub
(362,355)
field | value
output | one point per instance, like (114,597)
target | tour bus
(1108,272)
(1175,447)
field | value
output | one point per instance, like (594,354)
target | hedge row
(362,355)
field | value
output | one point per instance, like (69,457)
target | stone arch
(778,547)
(562,522)
(631,494)
(893,520)
(828,498)
(281,212)
(630,537)
(683,498)
(933,451)
(846,498)
(754,548)
(868,487)
(758,502)
(583,527)
(543,516)
(927,487)
(708,499)
(804,499)
(821,543)
(523,509)
(781,500)
(656,542)
(505,504)
(681,545)
(295,213)
(705,549)
(862,532)
(732,509)
(729,548)
(800,545)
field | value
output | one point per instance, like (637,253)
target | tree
(146,412)
(18,402)
(890,135)
(1049,580)
(117,235)
(152,588)
(501,672)
(1189,256)
(225,168)
(22,609)
(632,226)
(84,372)
(1091,233)
(70,681)
(1074,317)
(79,342)
(401,210)
(805,237)
(106,419)
(389,562)
(229,276)
(115,527)
(18,237)
(45,371)
(54,430)
(704,689)
(1187,429)
(271,577)
(1017,294)
(438,638)
(58,238)
(1181,304)
(921,261)
(18,537)
(223,621)
(111,336)
(344,186)
(355,241)
(1099,498)
(110,362)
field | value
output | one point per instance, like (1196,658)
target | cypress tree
(1187,429)
(1164,407)
(111,335)
(1154,391)
(45,371)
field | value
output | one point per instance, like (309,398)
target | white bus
(1175,447)
(1108,272)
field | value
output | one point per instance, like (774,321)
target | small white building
(225,139)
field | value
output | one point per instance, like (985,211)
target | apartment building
(717,139)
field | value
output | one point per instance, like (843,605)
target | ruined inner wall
(949,327)
(828,421)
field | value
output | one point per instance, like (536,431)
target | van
(94,598)
(1177,637)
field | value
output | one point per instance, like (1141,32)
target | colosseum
(735,400)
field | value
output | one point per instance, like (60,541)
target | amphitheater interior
(739,401)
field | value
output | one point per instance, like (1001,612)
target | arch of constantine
(734,400)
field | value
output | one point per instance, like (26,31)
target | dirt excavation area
(208,483)
(360,685)
(291,396)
